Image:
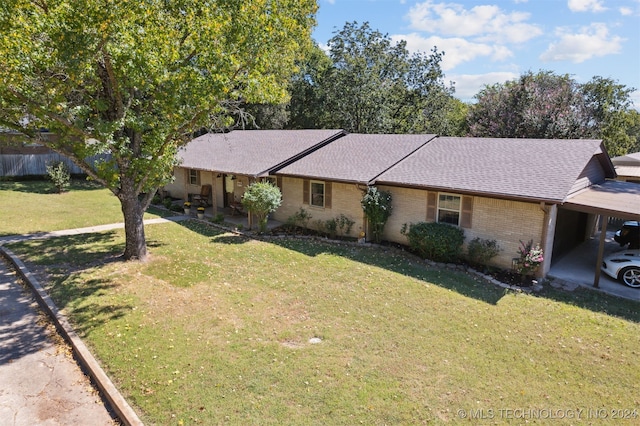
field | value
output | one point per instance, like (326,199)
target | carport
(608,199)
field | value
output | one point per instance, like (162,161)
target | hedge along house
(331,181)
(231,161)
(508,190)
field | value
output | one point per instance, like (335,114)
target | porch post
(603,235)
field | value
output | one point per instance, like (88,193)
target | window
(449,209)
(317,194)
(194,177)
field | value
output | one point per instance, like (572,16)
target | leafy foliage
(136,79)
(262,198)
(481,251)
(300,218)
(530,257)
(546,105)
(439,242)
(344,224)
(377,208)
(369,84)
(59,175)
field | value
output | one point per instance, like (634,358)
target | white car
(624,266)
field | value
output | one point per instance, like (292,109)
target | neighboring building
(628,167)
(508,190)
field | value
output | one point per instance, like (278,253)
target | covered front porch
(231,217)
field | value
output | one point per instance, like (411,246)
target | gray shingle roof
(543,169)
(356,157)
(250,152)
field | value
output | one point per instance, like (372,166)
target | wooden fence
(33,162)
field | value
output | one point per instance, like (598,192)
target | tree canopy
(546,105)
(369,84)
(135,79)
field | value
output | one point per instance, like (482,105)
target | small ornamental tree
(59,175)
(260,199)
(377,207)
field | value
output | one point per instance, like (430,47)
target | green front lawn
(216,329)
(34,206)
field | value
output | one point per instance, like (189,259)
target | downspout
(547,236)
(363,233)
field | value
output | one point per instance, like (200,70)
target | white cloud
(486,23)
(586,6)
(468,85)
(457,50)
(626,11)
(591,42)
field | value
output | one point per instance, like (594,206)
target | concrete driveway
(579,267)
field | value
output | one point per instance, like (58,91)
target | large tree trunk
(133,211)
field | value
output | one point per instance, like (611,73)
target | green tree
(377,208)
(546,105)
(136,79)
(260,199)
(542,105)
(307,108)
(368,84)
(59,175)
(613,117)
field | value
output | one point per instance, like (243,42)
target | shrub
(344,224)
(439,242)
(300,218)
(59,175)
(262,198)
(530,257)
(167,203)
(480,252)
(377,207)
(331,227)
(218,218)
(156,199)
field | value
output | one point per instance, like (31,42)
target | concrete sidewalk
(40,383)
(41,379)
(87,230)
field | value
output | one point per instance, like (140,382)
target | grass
(216,328)
(35,206)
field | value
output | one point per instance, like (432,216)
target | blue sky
(493,41)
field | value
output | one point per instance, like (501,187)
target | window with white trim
(194,177)
(449,207)
(317,193)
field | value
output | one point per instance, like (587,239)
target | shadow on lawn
(58,262)
(401,262)
(47,187)
(217,234)
(596,301)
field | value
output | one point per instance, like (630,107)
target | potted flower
(187,207)
(200,212)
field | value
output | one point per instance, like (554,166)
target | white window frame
(324,193)
(194,177)
(448,209)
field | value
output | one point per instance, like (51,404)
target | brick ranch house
(506,190)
